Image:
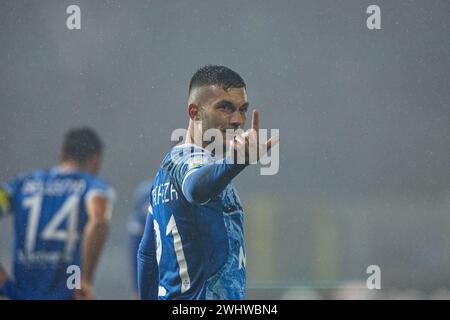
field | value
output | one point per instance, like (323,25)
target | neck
(191,138)
(194,135)
(70,165)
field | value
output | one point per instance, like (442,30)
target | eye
(226,107)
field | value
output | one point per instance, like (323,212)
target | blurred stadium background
(364,119)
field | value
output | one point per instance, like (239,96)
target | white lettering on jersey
(164,193)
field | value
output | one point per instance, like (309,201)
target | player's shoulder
(89,179)
(94,185)
(36,174)
(186,152)
(96,182)
(189,149)
(15,183)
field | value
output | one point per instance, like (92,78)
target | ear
(194,112)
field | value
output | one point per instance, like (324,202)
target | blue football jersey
(49,211)
(200,248)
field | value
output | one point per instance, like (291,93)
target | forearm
(94,239)
(207,182)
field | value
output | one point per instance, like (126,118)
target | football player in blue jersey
(193,243)
(61,219)
(135,227)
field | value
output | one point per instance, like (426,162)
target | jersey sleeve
(198,176)
(207,182)
(186,161)
(98,187)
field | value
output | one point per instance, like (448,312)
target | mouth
(231,130)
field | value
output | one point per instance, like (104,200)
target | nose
(237,120)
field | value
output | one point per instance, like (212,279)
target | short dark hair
(80,144)
(211,75)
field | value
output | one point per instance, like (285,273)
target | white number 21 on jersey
(178,246)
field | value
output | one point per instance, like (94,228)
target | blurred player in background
(61,218)
(136,225)
(193,243)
